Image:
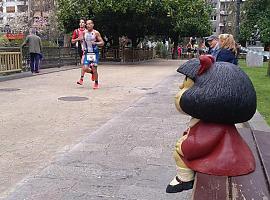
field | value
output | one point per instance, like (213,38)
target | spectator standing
(228,51)
(179,51)
(34,43)
(213,45)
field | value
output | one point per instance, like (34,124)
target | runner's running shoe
(96,86)
(80,82)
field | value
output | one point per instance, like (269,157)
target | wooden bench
(254,186)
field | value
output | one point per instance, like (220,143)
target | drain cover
(144,88)
(9,89)
(152,93)
(73,98)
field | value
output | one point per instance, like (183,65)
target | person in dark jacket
(34,43)
(213,45)
(227,52)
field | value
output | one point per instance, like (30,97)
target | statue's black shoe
(181,186)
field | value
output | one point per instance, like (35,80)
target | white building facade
(9,9)
(223,17)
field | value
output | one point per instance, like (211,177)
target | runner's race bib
(91,57)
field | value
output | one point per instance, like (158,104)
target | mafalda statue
(216,96)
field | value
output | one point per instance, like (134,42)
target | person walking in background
(213,45)
(189,50)
(228,51)
(34,43)
(91,40)
(202,48)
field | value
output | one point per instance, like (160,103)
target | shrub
(4,41)
(161,50)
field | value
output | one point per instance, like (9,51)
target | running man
(77,38)
(91,41)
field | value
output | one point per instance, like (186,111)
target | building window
(22,8)
(214,17)
(10,9)
(10,19)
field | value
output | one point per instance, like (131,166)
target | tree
(69,13)
(188,18)
(256,13)
(19,23)
(139,18)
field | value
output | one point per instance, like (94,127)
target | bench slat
(251,186)
(210,187)
(263,143)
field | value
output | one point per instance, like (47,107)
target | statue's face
(187,83)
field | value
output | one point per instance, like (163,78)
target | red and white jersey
(78,33)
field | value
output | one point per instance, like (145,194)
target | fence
(111,54)
(17,59)
(136,54)
(127,54)
(10,62)
(53,57)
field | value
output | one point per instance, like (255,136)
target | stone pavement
(129,157)
(125,155)
(115,145)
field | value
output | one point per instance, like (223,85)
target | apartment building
(39,11)
(223,17)
(14,14)
(9,9)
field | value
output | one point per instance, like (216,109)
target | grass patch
(261,83)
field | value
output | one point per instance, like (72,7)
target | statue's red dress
(217,149)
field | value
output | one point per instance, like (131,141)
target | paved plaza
(115,143)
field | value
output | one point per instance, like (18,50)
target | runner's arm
(75,37)
(100,41)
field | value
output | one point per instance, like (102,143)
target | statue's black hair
(223,94)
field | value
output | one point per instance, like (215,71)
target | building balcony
(221,24)
(13,3)
(223,12)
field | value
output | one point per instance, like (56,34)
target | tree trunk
(175,45)
(67,40)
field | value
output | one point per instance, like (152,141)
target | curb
(43,71)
